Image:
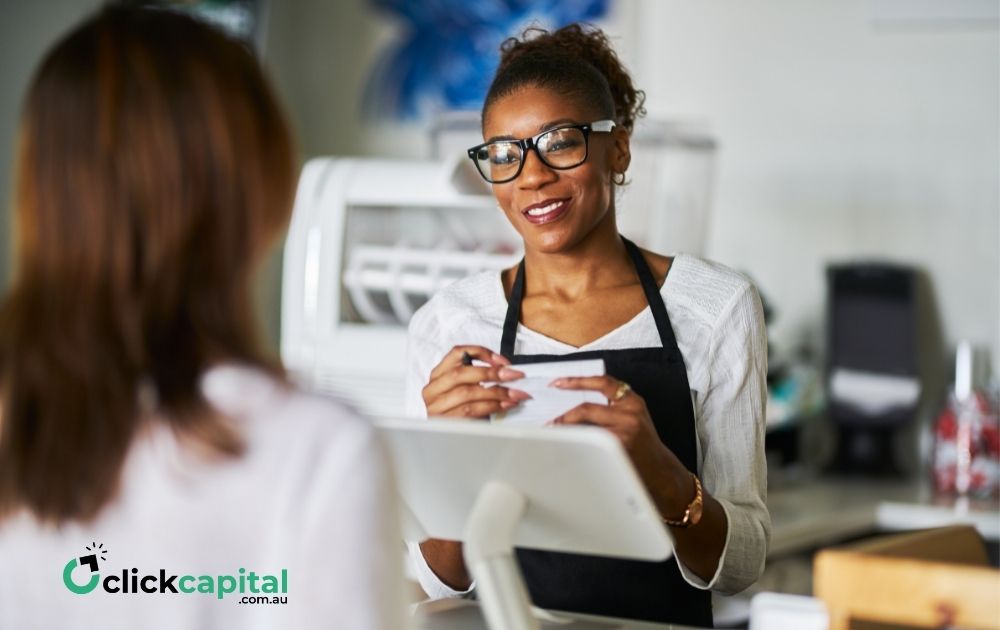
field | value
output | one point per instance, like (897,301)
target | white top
(311,494)
(719,325)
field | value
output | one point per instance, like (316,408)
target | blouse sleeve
(425,348)
(730,425)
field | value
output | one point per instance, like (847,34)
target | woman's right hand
(456,389)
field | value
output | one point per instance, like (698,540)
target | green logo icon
(90,561)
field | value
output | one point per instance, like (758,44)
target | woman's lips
(546,212)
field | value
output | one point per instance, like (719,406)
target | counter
(817,512)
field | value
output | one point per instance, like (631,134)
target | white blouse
(719,325)
(311,494)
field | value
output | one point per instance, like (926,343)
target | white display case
(370,241)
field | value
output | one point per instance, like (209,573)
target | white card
(548,403)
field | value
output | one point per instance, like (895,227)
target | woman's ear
(621,155)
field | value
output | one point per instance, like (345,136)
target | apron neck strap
(648,286)
(513,313)
(653,296)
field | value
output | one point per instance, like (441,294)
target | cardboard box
(928,579)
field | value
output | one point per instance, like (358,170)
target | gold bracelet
(694,509)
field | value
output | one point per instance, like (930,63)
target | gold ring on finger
(623,389)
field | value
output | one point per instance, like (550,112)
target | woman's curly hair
(576,60)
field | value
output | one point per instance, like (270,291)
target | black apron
(633,589)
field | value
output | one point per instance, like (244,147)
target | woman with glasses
(682,339)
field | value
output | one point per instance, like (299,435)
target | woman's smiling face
(554,210)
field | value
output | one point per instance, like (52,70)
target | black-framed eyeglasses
(560,148)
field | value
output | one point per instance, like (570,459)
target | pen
(466,358)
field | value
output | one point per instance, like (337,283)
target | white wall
(840,139)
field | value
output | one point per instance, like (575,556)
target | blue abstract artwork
(449,49)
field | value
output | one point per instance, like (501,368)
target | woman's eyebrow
(542,127)
(499,138)
(556,123)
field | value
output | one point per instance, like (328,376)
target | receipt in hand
(548,403)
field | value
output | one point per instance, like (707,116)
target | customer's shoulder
(271,409)
(706,287)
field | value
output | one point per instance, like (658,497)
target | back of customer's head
(154,169)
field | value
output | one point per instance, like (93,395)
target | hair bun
(590,45)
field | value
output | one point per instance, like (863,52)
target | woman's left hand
(669,483)
(627,417)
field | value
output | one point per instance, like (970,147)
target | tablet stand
(489,555)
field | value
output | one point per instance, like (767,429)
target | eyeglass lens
(559,148)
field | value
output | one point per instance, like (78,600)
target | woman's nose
(535,173)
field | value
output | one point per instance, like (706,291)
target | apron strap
(513,313)
(653,296)
(649,287)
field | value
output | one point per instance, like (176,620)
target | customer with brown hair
(144,433)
